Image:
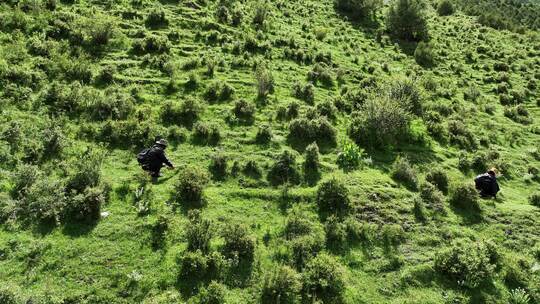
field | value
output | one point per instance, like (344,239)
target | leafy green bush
(445,8)
(381,122)
(324,280)
(44,201)
(465,196)
(197,267)
(534,199)
(326,109)
(218,166)
(238,242)
(199,232)
(403,172)
(303,130)
(8,296)
(321,73)
(214,293)
(350,156)
(265,82)
(152,44)
(281,285)
(301,223)
(206,133)
(406,19)
(439,178)
(84,171)
(336,233)
(156,18)
(424,54)
(432,196)
(406,92)
(468,264)
(264,135)
(284,170)
(519,296)
(23,177)
(86,206)
(461,135)
(189,188)
(358,8)
(244,111)
(185,113)
(305,93)
(219,91)
(252,169)
(311,163)
(333,197)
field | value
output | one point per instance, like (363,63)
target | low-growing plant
(432,196)
(406,19)
(468,264)
(333,197)
(439,178)
(319,130)
(304,92)
(264,135)
(350,156)
(281,285)
(244,111)
(284,170)
(465,196)
(336,233)
(189,188)
(185,113)
(534,199)
(206,133)
(265,82)
(323,279)
(424,54)
(197,267)
(403,172)
(238,242)
(199,232)
(445,8)
(358,9)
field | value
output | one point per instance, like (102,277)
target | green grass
(112,261)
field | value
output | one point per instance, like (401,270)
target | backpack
(144,156)
(483,182)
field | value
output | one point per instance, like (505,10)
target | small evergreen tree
(406,20)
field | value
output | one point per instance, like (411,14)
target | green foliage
(206,134)
(468,264)
(218,166)
(406,20)
(350,156)
(358,9)
(264,135)
(43,202)
(445,8)
(265,82)
(403,172)
(439,178)
(199,232)
(304,92)
(214,293)
(185,113)
(381,122)
(336,233)
(465,196)
(158,230)
(239,243)
(319,130)
(324,280)
(424,54)
(196,267)
(284,170)
(281,285)
(189,188)
(534,199)
(244,111)
(333,197)
(156,18)
(519,296)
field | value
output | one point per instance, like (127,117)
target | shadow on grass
(77,229)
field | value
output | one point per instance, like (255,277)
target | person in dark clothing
(156,158)
(487,184)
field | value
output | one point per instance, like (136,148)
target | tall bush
(406,19)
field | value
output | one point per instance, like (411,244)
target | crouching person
(487,184)
(152,159)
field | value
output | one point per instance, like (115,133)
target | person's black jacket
(487,184)
(156,158)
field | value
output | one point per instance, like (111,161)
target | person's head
(492,172)
(162,143)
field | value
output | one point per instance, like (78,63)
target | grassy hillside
(323,156)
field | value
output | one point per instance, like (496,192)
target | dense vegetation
(325,151)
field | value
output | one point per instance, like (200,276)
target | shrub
(214,293)
(424,54)
(407,93)
(251,168)
(406,20)
(311,163)
(465,196)
(152,44)
(432,196)
(403,172)
(8,296)
(265,82)
(358,8)
(44,201)
(86,206)
(381,122)
(23,178)
(519,296)
(189,188)
(156,18)
(281,285)
(336,233)
(534,199)
(333,197)
(206,134)
(323,279)
(262,11)
(264,135)
(199,232)
(301,223)
(438,178)
(322,73)
(461,135)
(84,171)
(303,130)
(218,166)
(197,267)
(305,93)
(327,109)
(244,111)
(238,242)
(219,91)
(284,170)
(468,264)
(445,8)
(185,113)
(349,157)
